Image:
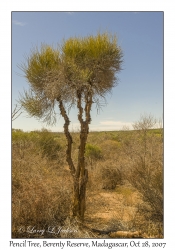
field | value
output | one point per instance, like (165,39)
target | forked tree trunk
(80,174)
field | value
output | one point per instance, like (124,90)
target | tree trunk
(79,197)
(80,181)
(76,199)
(80,174)
(83,194)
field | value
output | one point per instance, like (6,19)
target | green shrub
(21,141)
(93,152)
(48,145)
(19,135)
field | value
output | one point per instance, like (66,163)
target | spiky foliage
(87,65)
(94,61)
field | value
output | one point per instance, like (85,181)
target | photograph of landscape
(87,125)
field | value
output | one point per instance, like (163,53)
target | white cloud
(18,23)
(110,125)
(115,123)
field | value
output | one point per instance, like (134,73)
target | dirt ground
(109,211)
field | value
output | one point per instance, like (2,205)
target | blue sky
(140,35)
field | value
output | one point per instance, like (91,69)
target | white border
(5,96)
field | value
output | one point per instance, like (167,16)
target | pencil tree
(79,73)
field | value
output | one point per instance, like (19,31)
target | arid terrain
(124,189)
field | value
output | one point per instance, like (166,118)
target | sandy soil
(106,210)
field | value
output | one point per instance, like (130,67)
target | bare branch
(15,114)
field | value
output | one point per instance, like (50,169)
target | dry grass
(42,187)
(41,194)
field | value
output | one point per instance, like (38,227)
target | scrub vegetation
(124,189)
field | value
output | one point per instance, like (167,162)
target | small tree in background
(145,171)
(81,72)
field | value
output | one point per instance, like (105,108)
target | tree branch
(68,137)
(15,111)
(84,128)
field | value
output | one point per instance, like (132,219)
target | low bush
(93,153)
(110,177)
(148,180)
(48,145)
(41,195)
(144,153)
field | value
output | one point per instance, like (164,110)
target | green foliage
(39,63)
(20,138)
(93,60)
(21,141)
(88,65)
(93,152)
(17,134)
(115,136)
(43,141)
(48,145)
(90,47)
